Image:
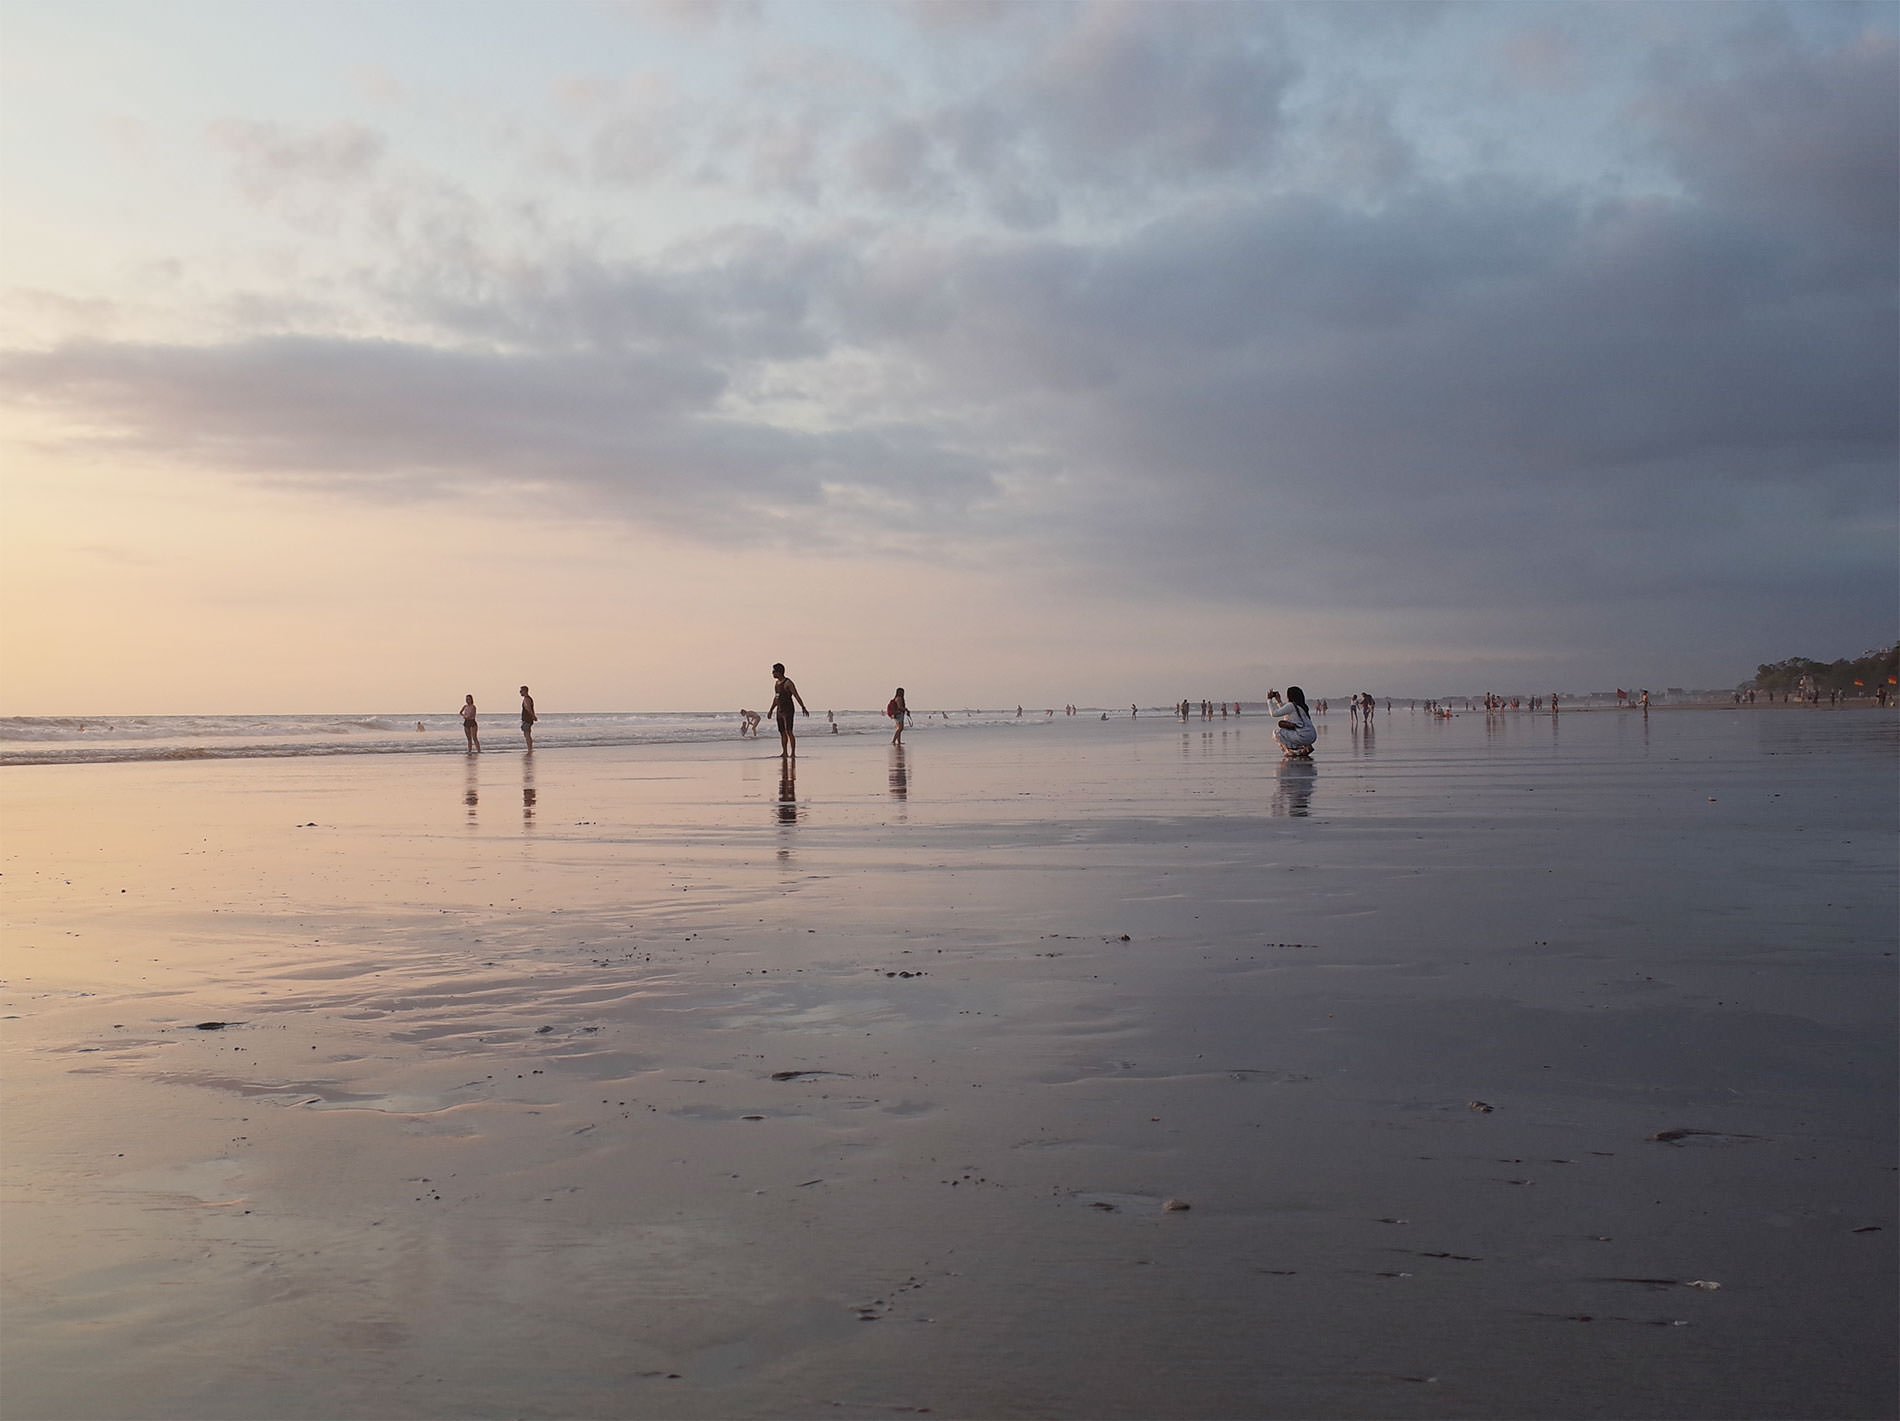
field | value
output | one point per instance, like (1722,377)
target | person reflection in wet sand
(784,693)
(788,790)
(900,772)
(1293,791)
(472,792)
(527,792)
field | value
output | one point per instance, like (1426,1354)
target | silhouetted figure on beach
(469,729)
(898,712)
(528,718)
(784,694)
(1294,730)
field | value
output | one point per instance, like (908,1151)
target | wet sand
(595,1086)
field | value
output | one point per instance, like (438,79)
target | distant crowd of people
(1807,692)
(1294,727)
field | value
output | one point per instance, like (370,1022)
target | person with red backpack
(898,712)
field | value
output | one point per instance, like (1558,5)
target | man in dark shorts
(784,693)
(528,717)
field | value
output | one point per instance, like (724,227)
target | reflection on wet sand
(900,773)
(527,791)
(472,788)
(460,1024)
(1293,789)
(788,810)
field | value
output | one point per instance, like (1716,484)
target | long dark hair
(1297,696)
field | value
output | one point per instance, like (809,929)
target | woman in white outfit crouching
(1295,730)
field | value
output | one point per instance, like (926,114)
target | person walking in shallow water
(784,694)
(528,718)
(469,730)
(898,712)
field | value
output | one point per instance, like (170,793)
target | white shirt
(1295,712)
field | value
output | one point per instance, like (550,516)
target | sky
(357,356)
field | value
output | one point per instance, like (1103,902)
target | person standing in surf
(470,731)
(784,694)
(528,718)
(898,712)
(1294,730)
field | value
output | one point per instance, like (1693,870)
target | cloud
(1149,92)
(697,14)
(1516,380)
(1543,56)
(273,159)
(1085,103)
(895,161)
(638,139)
(1367,378)
(641,436)
(1787,134)
(1358,144)
(1097,102)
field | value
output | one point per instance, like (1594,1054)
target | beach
(1505,1066)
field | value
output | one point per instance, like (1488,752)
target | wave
(75,740)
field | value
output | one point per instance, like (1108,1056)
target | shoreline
(445,740)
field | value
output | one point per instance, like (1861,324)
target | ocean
(58,740)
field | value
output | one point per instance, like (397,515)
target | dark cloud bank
(1643,422)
